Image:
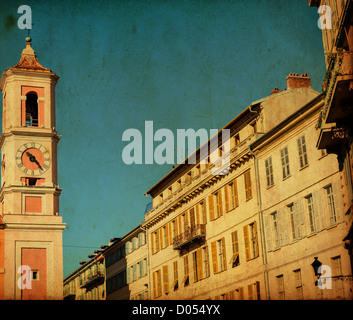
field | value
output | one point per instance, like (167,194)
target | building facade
(31,261)
(117,271)
(88,281)
(336,117)
(127,267)
(253,231)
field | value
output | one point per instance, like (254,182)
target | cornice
(208,181)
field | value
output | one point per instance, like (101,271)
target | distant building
(117,271)
(336,117)
(88,281)
(127,267)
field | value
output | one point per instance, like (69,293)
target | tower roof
(29,60)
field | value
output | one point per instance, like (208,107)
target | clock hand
(32,158)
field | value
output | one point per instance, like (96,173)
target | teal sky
(181,64)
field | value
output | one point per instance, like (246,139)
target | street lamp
(316,266)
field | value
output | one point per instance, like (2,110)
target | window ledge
(287,177)
(304,167)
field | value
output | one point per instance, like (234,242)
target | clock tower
(31,247)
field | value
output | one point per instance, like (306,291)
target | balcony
(69,294)
(193,233)
(339,94)
(93,279)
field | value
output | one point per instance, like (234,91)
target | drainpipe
(262,229)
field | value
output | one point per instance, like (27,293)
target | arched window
(31,109)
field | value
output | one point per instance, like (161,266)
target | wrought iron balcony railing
(92,279)
(192,233)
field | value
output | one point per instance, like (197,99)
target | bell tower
(29,195)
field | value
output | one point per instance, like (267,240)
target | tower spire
(28,60)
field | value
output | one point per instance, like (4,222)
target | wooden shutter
(246,241)
(159,283)
(220,205)
(160,238)
(241,293)
(247,179)
(180,227)
(165,279)
(224,254)
(235,193)
(197,210)
(167,235)
(257,285)
(152,243)
(251,292)
(226,196)
(192,217)
(211,207)
(199,263)
(214,256)
(194,264)
(154,285)
(256,244)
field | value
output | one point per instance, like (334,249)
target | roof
(28,60)
(181,166)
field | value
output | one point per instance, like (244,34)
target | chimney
(298,81)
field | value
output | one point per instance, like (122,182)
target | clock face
(33,159)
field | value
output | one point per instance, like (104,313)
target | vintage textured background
(182,64)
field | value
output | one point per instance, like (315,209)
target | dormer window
(31,109)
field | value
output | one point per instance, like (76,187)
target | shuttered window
(231,195)
(186,271)
(251,241)
(176,279)
(165,279)
(235,246)
(219,260)
(248,188)
(211,207)
(303,157)
(214,257)
(285,162)
(269,172)
(197,264)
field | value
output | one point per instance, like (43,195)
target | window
(157,284)
(175,269)
(231,195)
(331,204)
(141,273)
(298,284)
(34,275)
(31,109)
(202,208)
(186,271)
(236,139)
(337,271)
(303,158)
(269,172)
(251,242)
(254,291)
(197,264)
(280,287)
(275,229)
(235,246)
(165,279)
(215,205)
(206,265)
(248,190)
(285,162)
(219,256)
(311,213)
